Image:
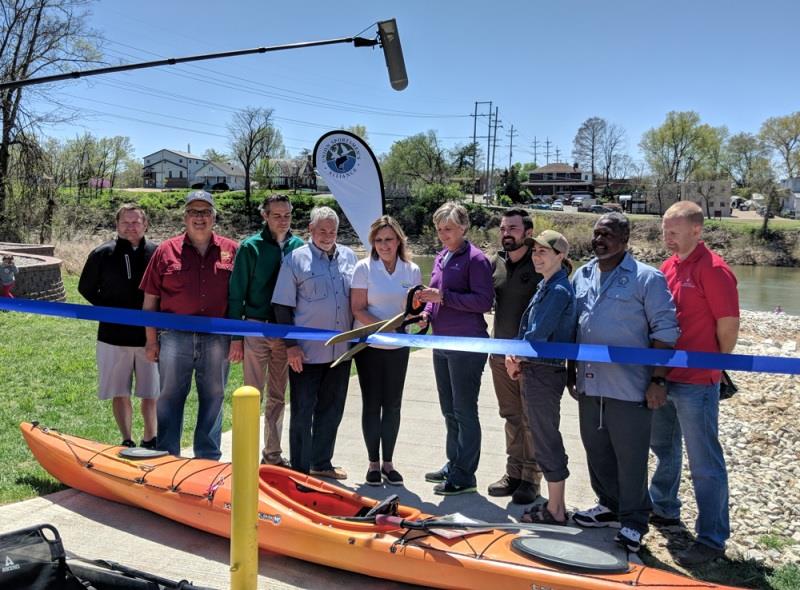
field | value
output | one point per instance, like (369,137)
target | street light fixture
(386,36)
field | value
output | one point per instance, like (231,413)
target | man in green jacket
(255,270)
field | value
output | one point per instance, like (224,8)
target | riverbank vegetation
(80,222)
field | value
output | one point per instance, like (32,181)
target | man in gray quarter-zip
(111,278)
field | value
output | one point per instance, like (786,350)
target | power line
(307,99)
(159,93)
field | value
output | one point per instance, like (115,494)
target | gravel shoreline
(760,434)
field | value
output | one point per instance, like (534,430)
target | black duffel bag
(34,559)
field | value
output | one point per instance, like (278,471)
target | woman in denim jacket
(549,317)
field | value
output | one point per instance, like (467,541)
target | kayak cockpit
(324,502)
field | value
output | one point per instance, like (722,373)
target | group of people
(273,276)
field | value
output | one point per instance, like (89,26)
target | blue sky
(546,65)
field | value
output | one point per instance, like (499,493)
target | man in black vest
(515,282)
(111,277)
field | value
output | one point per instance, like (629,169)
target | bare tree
(253,138)
(623,166)
(37,37)
(611,146)
(588,141)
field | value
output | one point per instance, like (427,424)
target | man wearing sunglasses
(189,275)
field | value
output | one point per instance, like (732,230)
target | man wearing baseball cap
(189,275)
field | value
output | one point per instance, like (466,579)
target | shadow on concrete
(162,531)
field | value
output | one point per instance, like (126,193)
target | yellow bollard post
(244,500)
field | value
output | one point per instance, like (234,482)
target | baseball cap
(200,196)
(552,239)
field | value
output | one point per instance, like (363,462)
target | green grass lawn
(48,374)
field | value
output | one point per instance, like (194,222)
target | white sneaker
(599,516)
(629,538)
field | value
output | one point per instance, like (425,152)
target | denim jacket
(550,315)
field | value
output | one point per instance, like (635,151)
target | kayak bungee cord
(146,468)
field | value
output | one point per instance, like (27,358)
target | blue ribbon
(582,352)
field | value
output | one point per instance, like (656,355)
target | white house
(713,197)
(171,169)
(215,174)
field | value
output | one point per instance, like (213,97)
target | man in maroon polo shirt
(189,275)
(707,304)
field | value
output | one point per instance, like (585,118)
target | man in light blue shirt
(313,290)
(620,302)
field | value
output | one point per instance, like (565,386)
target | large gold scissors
(411,315)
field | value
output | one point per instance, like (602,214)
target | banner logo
(342,158)
(350,170)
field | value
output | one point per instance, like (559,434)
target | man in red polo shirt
(189,275)
(707,303)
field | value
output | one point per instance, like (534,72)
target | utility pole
(547,144)
(494,146)
(558,154)
(489,150)
(475,138)
(535,146)
(511,135)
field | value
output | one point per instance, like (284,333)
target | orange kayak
(312,520)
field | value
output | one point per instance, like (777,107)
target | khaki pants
(266,357)
(521,462)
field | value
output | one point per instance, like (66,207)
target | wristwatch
(660,381)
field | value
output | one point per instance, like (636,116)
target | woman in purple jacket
(461,291)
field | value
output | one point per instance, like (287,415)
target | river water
(761,288)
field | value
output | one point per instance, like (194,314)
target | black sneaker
(505,486)
(393,477)
(526,493)
(629,538)
(128,443)
(373,477)
(148,444)
(658,520)
(597,516)
(447,489)
(436,476)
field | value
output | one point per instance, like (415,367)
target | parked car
(557,206)
(599,209)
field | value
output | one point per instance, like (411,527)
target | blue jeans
(205,355)
(694,411)
(317,399)
(458,380)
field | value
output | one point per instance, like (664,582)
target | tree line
(41,36)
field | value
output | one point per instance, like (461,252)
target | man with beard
(515,281)
(189,275)
(111,277)
(620,302)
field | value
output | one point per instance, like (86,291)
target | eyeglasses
(199,212)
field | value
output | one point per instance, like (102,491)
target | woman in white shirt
(378,292)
